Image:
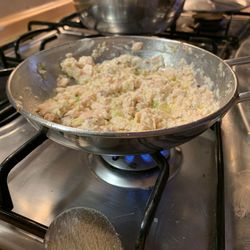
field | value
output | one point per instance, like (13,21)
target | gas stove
(178,198)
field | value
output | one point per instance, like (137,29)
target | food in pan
(127,93)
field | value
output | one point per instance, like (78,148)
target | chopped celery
(77,98)
(165,107)
(77,121)
(116,112)
(155,104)
(174,78)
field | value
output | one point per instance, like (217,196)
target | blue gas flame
(147,158)
(129,158)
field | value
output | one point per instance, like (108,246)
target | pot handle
(244,96)
(238,61)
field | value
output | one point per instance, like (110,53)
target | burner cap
(134,162)
(129,172)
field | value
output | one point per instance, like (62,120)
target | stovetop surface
(54,178)
(236,145)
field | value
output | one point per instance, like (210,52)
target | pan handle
(238,61)
(244,96)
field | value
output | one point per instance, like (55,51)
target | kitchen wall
(10,7)
(15,15)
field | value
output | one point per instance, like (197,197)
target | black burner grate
(6,204)
(7,112)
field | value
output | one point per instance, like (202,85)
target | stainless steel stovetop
(190,214)
(54,178)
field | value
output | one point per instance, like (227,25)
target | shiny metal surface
(26,88)
(236,145)
(136,163)
(129,16)
(216,6)
(12,238)
(238,61)
(121,178)
(124,177)
(241,60)
(54,178)
(13,135)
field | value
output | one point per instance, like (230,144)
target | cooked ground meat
(127,93)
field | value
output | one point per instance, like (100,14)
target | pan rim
(124,134)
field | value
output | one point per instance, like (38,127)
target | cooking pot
(129,16)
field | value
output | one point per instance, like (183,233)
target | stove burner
(134,162)
(133,171)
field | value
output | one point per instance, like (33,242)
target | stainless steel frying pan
(28,86)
